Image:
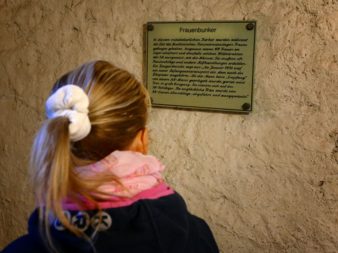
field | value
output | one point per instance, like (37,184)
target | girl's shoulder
(24,244)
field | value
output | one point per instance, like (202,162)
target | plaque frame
(245,108)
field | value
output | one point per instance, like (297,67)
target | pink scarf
(135,171)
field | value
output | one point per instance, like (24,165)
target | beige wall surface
(265,182)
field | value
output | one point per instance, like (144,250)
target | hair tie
(72,102)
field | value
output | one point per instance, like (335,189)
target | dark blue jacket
(162,225)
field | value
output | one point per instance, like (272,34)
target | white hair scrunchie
(72,102)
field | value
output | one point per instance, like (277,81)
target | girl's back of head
(117,108)
(117,111)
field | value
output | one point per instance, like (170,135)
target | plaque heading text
(198,30)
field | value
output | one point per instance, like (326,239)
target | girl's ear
(145,140)
(140,142)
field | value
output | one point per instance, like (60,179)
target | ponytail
(54,178)
(51,166)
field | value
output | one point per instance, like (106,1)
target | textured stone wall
(265,182)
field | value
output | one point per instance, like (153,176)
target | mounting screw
(250,26)
(150,27)
(246,106)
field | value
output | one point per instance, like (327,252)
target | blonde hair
(118,106)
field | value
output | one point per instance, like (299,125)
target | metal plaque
(201,65)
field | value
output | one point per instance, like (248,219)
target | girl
(96,188)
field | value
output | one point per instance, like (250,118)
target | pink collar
(135,171)
(158,191)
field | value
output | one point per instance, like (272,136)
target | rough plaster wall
(265,182)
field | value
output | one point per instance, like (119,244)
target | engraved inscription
(198,66)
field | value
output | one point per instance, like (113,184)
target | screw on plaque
(150,27)
(250,26)
(246,106)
